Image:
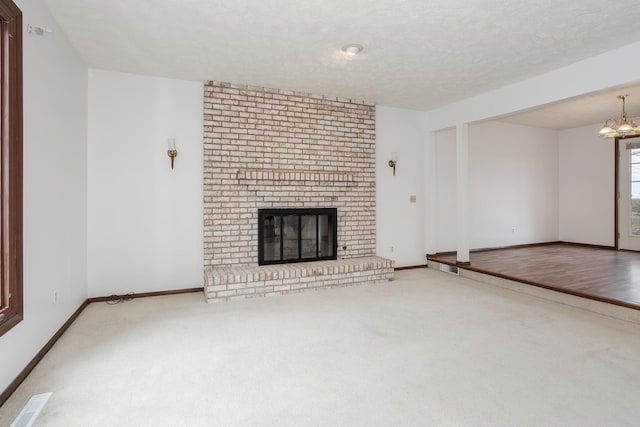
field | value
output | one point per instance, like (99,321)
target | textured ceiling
(417,54)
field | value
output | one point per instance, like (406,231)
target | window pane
(635,216)
(635,190)
(308,236)
(271,233)
(634,225)
(290,227)
(635,172)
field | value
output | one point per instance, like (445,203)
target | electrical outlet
(513,230)
(412,198)
(392,248)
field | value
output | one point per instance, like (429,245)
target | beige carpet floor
(428,349)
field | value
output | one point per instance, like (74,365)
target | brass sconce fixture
(393,162)
(172,152)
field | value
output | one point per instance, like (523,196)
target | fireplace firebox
(297,235)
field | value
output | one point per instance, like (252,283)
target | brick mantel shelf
(271,175)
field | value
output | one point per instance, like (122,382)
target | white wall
(55,135)
(587,180)
(399,223)
(145,220)
(513,186)
(445,195)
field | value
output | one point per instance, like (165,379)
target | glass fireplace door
(296,235)
(271,240)
(326,233)
(290,236)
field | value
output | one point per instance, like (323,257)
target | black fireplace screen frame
(263,213)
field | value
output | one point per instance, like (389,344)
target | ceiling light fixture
(352,49)
(624,127)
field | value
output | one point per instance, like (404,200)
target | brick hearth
(226,283)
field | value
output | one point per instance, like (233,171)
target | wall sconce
(37,30)
(393,162)
(172,152)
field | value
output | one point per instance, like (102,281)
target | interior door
(629,194)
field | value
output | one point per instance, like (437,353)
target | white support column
(430,191)
(462,184)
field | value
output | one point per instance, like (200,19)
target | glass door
(629,194)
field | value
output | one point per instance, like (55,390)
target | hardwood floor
(597,273)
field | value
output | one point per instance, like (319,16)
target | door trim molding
(616,190)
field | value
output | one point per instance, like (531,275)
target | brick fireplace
(275,149)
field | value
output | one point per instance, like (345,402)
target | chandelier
(621,128)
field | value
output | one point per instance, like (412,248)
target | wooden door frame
(616,233)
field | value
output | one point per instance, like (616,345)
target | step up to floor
(226,283)
(604,308)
